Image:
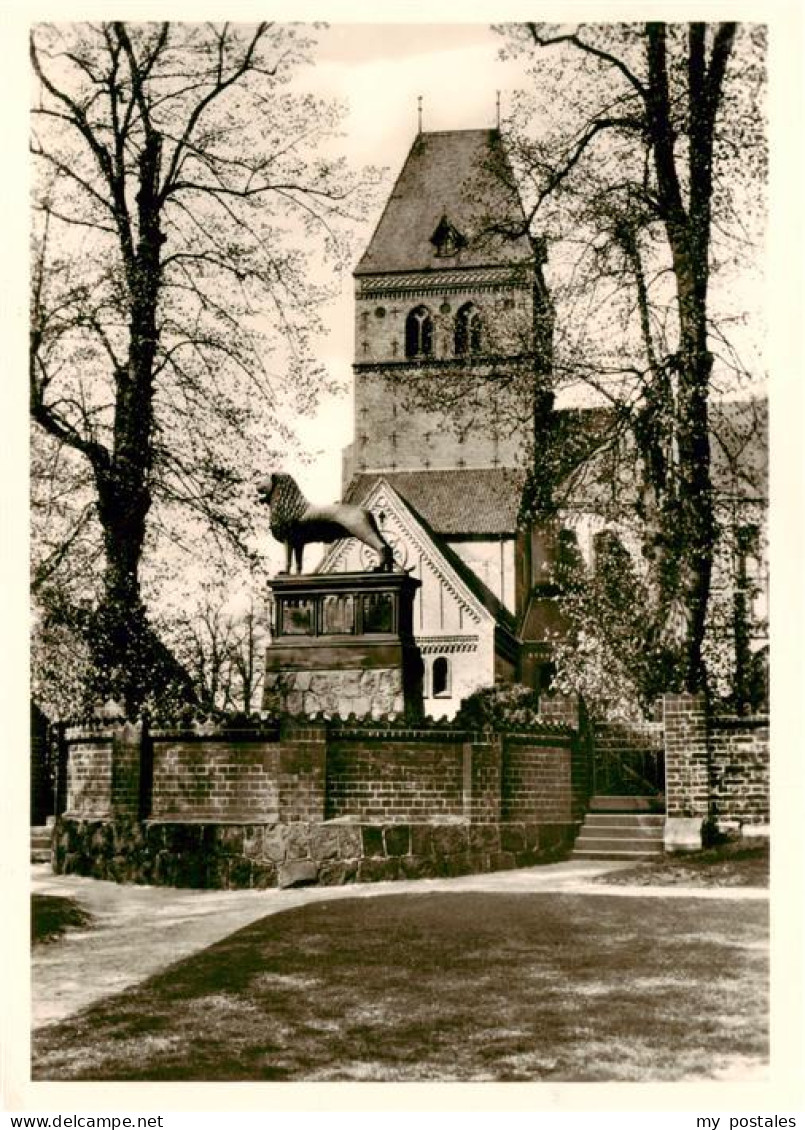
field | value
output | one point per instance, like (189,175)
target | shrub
(504,706)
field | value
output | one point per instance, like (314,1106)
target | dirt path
(139,930)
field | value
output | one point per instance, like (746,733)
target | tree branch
(589,49)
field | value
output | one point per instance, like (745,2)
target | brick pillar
(483,778)
(131,779)
(687,771)
(302,771)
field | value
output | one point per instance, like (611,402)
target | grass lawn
(52,915)
(463,986)
(733,864)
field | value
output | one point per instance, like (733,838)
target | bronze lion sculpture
(295,522)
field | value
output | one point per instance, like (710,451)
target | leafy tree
(636,177)
(183,184)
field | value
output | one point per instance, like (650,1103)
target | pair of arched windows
(467,331)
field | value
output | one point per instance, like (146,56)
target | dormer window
(468,330)
(419,333)
(447,239)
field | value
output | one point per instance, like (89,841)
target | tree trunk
(123,641)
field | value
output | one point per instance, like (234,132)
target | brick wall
(687,781)
(131,762)
(240,777)
(396,433)
(566,709)
(716,768)
(483,778)
(302,777)
(740,770)
(536,781)
(310,771)
(395,776)
(89,776)
(198,778)
(251,809)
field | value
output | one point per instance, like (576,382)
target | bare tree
(182,182)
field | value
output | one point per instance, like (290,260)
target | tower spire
(497,111)
(419,111)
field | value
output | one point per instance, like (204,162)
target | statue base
(342,643)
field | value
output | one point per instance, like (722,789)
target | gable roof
(442,557)
(448,179)
(456,502)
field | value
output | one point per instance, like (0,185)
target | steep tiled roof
(447,183)
(462,501)
(595,474)
(739,448)
(485,502)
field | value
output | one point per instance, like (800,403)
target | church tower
(452,345)
(451,316)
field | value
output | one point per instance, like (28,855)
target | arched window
(468,330)
(441,677)
(419,333)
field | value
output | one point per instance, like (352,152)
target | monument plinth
(343,643)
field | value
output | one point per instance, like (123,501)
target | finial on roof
(419,111)
(498,109)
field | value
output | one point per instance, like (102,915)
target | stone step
(631,820)
(614,856)
(608,843)
(627,804)
(40,844)
(622,835)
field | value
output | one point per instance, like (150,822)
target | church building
(453,326)
(448,302)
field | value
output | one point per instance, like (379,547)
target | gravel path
(139,930)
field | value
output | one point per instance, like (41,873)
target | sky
(379,71)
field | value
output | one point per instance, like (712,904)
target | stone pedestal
(342,643)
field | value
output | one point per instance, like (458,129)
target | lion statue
(295,522)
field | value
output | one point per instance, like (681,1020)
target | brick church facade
(452,328)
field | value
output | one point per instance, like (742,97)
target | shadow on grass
(53,915)
(464,986)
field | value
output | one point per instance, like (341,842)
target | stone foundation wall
(359,692)
(242,855)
